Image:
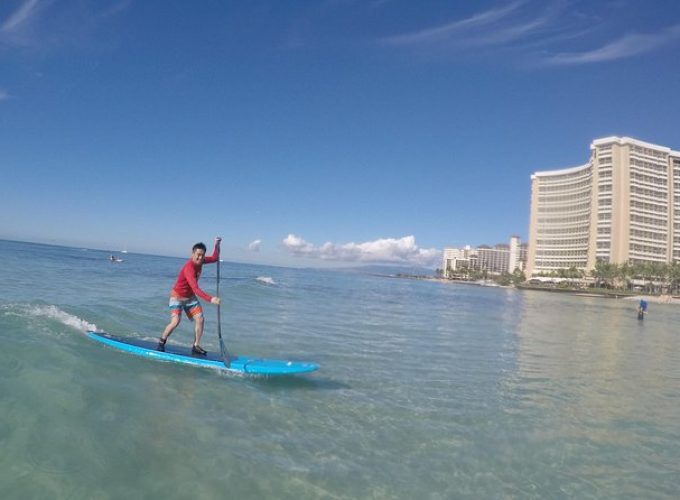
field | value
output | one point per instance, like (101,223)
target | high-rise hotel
(623,205)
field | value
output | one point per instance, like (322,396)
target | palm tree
(605,272)
(660,272)
(674,277)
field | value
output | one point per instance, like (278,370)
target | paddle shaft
(225,354)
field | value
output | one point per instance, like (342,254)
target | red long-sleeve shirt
(187,280)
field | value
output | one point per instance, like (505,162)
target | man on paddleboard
(183,296)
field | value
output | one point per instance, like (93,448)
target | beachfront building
(622,206)
(502,258)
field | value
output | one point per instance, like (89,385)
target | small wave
(266,280)
(53,312)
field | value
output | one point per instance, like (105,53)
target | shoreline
(609,294)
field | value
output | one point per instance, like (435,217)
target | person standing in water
(642,309)
(183,296)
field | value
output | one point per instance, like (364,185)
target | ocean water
(426,390)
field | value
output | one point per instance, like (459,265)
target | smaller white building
(502,258)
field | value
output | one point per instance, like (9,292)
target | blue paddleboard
(179,354)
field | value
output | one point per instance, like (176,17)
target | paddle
(226,357)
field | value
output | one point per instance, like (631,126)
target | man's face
(198,256)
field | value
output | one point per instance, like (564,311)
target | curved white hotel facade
(621,206)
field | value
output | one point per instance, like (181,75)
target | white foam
(53,312)
(266,280)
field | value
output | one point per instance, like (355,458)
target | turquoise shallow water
(426,389)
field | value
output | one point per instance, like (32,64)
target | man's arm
(216,252)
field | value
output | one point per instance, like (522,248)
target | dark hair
(198,246)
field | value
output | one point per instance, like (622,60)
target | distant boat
(123,251)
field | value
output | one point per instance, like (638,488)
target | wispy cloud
(626,46)
(20,16)
(4,95)
(255,245)
(453,29)
(38,23)
(545,32)
(387,250)
(113,10)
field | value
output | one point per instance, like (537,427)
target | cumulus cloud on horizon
(255,245)
(385,250)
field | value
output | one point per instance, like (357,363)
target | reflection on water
(602,388)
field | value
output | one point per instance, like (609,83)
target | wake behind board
(179,354)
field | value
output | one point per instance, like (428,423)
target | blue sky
(314,132)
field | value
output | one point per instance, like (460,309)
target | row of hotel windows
(664,178)
(652,193)
(648,152)
(648,179)
(561,200)
(645,259)
(564,220)
(567,242)
(649,235)
(652,221)
(585,195)
(570,177)
(648,166)
(608,230)
(565,209)
(634,247)
(561,253)
(565,231)
(557,264)
(548,187)
(648,207)
(660,222)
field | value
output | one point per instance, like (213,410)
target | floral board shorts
(191,306)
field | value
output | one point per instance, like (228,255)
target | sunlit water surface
(426,389)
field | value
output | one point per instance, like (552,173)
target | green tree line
(652,277)
(470,274)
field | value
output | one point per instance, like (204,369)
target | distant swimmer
(642,309)
(112,258)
